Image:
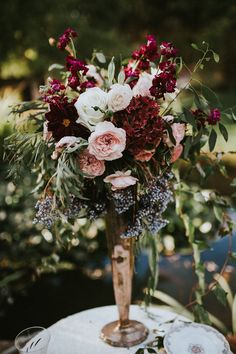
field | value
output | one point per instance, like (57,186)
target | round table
(79,333)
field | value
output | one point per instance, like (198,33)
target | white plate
(194,338)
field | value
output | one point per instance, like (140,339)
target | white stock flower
(119,97)
(86,103)
(143,85)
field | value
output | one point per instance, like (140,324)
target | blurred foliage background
(116,27)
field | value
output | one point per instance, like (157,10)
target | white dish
(194,338)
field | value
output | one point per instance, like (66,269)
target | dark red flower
(91,82)
(161,84)
(65,38)
(143,126)
(168,50)
(214,116)
(74,65)
(62,121)
(168,67)
(56,86)
(146,53)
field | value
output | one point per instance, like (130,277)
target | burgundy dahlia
(214,116)
(143,126)
(62,121)
(65,38)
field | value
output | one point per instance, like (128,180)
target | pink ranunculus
(176,153)
(144,155)
(107,142)
(90,165)
(121,180)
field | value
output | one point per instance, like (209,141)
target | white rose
(92,97)
(119,97)
(143,85)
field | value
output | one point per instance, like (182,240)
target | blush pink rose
(144,155)
(107,142)
(178,130)
(90,165)
(120,180)
(176,153)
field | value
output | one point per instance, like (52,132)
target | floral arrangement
(115,133)
(108,132)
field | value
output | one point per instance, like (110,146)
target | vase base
(127,336)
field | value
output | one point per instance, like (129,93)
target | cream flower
(119,97)
(86,103)
(143,85)
(120,180)
(107,142)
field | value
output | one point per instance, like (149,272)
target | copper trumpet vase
(123,332)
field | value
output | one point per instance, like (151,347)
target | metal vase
(123,332)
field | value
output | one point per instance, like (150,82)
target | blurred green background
(116,27)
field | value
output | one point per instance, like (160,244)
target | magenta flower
(168,50)
(74,65)
(65,38)
(214,116)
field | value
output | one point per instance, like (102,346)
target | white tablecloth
(79,333)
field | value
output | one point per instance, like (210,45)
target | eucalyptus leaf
(224,131)
(195,46)
(121,77)
(216,57)
(55,67)
(100,57)
(212,140)
(111,71)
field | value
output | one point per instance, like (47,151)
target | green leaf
(233,183)
(201,315)
(216,57)
(224,131)
(218,213)
(55,67)
(189,117)
(212,140)
(195,46)
(101,57)
(151,350)
(111,71)
(187,146)
(121,77)
(140,351)
(220,294)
